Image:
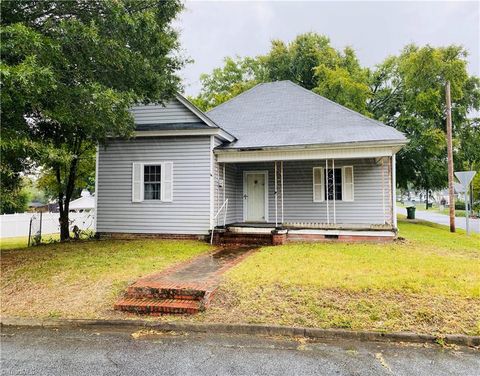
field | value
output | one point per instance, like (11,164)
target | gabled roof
(175,117)
(285,114)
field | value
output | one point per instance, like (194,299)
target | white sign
(465,177)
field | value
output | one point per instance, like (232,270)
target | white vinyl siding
(366,208)
(186,211)
(165,182)
(172,112)
(347,183)
(318,184)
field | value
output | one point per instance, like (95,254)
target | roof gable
(285,114)
(178,113)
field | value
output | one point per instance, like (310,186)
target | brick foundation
(134,236)
(340,238)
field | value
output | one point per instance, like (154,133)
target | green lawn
(82,279)
(429,282)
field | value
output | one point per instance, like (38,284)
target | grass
(22,241)
(429,282)
(81,279)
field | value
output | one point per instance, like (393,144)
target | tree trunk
(64,226)
(426,201)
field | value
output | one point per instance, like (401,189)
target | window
(152,182)
(333,183)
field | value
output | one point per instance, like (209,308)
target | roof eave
(395,144)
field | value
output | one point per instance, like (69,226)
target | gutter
(249,329)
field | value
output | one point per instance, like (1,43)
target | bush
(459,205)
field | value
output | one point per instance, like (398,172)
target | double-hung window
(333,183)
(152,181)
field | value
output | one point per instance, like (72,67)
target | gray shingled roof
(285,114)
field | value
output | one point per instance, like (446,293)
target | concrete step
(159,306)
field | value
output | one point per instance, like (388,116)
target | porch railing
(224,207)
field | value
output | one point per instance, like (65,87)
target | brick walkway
(187,287)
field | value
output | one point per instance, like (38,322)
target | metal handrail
(225,205)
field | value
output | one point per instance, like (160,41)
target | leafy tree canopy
(309,60)
(70,70)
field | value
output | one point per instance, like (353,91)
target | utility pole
(451,194)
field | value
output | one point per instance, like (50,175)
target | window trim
(162,181)
(161,164)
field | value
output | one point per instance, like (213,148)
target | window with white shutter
(318,184)
(167,182)
(348,186)
(137,181)
(152,181)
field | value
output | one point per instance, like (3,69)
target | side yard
(82,280)
(429,282)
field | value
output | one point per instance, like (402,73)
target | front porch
(312,199)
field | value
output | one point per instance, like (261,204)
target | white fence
(14,225)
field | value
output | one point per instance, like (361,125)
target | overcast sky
(212,30)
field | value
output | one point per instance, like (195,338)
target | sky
(212,30)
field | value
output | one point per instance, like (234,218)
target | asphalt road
(85,352)
(442,219)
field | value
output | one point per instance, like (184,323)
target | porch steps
(159,306)
(229,237)
(159,300)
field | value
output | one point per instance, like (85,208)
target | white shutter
(347,183)
(137,180)
(167,181)
(318,184)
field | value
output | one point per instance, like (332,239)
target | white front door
(255,190)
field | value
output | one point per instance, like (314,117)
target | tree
(71,70)
(224,83)
(309,60)
(408,94)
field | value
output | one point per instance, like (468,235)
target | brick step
(151,292)
(159,306)
(243,238)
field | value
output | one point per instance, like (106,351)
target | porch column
(394,193)
(326,185)
(276,196)
(334,193)
(224,183)
(383,190)
(281,185)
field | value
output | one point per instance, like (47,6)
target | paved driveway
(68,352)
(443,219)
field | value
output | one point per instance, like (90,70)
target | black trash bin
(411,212)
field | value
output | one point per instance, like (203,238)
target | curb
(252,329)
